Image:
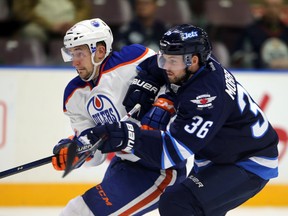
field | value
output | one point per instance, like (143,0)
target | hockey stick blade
(26,167)
(72,153)
(72,149)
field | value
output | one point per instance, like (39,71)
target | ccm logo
(145,85)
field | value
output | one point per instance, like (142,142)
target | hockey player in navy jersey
(216,120)
(130,186)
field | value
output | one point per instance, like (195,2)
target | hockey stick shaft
(26,167)
(72,148)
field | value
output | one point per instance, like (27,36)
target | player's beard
(84,73)
(175,79)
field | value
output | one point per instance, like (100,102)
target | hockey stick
(26,167)
(72,149)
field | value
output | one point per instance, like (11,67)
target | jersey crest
(102,110)
(204,101)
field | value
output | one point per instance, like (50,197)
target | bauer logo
(196,181)
(102,110)
(149,87)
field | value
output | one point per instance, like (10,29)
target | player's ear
(99,53)
(195,60)
(194,63)
(101,50)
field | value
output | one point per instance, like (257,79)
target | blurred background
(245,33)
(250,37)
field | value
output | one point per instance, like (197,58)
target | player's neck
(96,74)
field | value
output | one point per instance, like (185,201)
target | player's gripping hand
(142,92)
(159,115)
(60,152)
(120,136)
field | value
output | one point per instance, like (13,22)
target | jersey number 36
(196,125)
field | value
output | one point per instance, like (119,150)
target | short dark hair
(101,43)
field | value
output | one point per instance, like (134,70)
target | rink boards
(31,122)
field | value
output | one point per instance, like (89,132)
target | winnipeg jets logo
(191,34)
(204,101)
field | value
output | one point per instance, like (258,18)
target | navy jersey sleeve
(149,70)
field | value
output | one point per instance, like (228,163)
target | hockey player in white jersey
(95,97)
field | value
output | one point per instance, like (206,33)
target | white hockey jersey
(88,104)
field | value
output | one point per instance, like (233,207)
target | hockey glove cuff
(159,115)
(121,136)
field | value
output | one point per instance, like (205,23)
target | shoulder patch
(204,101)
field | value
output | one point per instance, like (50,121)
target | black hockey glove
(159,115)
(142,92)
(121,136)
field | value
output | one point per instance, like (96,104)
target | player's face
(174,66)
(81,60)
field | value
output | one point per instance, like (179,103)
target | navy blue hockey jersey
(217,121)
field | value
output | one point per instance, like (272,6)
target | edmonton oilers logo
(102,110)
(95,23)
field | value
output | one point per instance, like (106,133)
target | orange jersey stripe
(125,63)
(160,189)
(102,71)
